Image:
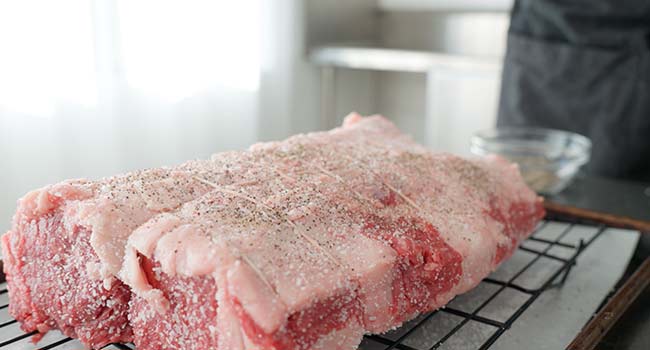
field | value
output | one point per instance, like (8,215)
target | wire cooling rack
(550,252)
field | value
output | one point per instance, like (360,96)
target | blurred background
(91,88)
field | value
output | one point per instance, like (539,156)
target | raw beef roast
(302,244)
(67,241)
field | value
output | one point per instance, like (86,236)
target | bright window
(51,51)
(46,55)
(174,49)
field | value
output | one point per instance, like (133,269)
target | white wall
(403,97)
(460,103)
(291,85)
(452,104)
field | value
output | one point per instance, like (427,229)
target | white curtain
(90,88)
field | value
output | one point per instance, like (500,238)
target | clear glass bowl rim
(486,140)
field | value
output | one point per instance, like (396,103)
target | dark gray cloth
(583,66)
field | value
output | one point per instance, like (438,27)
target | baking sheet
(559,314)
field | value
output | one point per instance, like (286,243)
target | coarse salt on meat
(66,246)
(302,244)
(332,235)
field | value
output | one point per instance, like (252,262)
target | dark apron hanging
(583,66)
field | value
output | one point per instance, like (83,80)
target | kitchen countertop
(627,199)
(609,196)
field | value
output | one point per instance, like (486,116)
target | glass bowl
(548,159)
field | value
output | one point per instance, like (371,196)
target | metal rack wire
(555,279)
(539,247)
